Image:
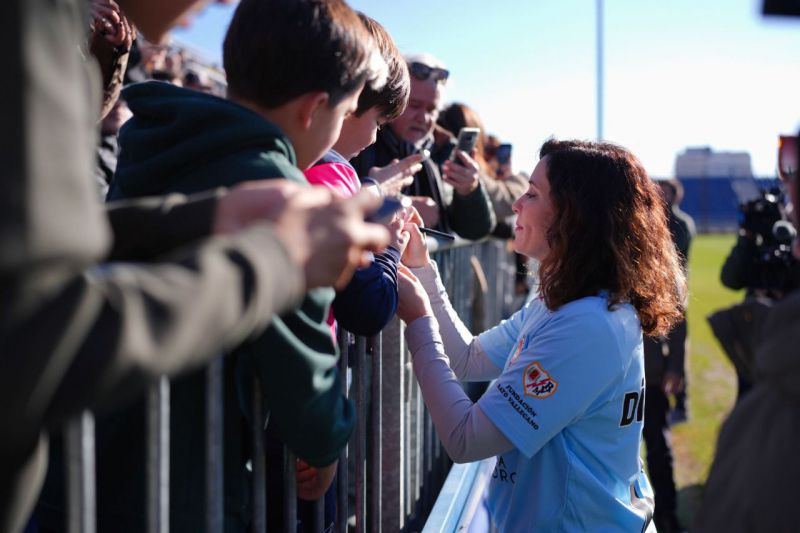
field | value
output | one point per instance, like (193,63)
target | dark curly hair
(609,233)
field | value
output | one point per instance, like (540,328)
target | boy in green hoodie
(295,69)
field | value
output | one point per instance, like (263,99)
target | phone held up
(503,154)
(787,157)
(467,141)
(389,207)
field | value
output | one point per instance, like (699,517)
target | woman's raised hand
(416,252)
(413,301)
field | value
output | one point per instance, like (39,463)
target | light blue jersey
(571,400)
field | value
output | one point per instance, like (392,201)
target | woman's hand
(312,483)
(413,301)
(416,251)
(427,208)
(399,235)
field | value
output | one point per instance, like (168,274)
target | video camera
(764,221)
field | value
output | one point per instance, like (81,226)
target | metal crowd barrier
(396,459)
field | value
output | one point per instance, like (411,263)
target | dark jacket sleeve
(73,334)
(369,301)
(471,215)
(150,227)
(682,231)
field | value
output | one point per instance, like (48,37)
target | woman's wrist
(411,314)
(419,262)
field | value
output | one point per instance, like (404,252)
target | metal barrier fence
(395,458)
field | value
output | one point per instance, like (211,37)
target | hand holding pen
(416,253)
(410,212)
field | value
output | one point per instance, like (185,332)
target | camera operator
(752,485)
(761,261)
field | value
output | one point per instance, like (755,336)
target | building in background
(715,184)
(703,162)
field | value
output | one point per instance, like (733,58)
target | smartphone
(503,154)
(467,141)
(787,157)
(389,207)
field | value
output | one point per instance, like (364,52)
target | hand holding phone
(503,154)
(467,141)
(502,158)
(387,209)
(462,172)
(787,157)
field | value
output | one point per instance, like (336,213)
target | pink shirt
(342,179)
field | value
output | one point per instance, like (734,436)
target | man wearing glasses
(449,197)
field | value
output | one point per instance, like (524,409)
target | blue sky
(677,74)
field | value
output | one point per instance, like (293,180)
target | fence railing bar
(427,480)
(419,441)
(81,491)
(319,524)
(392,435)
(258,461)
(289,491)
(158,457)
(214,447)
(408,422)
(342,488)
(360,386)
(375,430)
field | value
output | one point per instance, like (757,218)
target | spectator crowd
(235,213)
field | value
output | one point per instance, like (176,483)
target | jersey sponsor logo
(632,407)
(518,404)
(501,472)
(537,382)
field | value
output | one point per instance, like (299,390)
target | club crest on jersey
(537,382)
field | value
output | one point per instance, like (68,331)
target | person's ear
(310,106)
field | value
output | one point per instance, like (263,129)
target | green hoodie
(185,141)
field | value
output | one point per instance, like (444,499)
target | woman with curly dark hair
(564,415)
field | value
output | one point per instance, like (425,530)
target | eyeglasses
(423,72)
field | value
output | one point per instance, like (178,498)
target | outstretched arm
(466,433)
(469,360)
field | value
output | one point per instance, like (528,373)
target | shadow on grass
(690,498)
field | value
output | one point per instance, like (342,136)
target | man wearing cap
(449,196)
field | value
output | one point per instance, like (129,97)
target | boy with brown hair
(295,69)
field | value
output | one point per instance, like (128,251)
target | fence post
(158,457)
(375,430)
(79,451)
(214,447)
(342,485)
(360,386)
(289,491)
(258,462)
(393,422)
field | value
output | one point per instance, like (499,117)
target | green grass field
(712,380)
